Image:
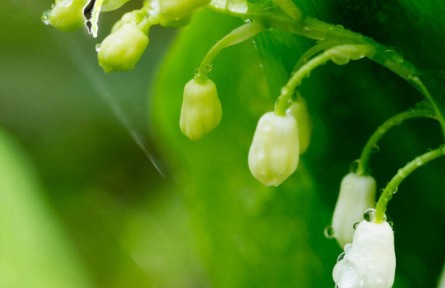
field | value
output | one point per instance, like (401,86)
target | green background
(99,214)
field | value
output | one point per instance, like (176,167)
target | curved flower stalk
(274,153)
(201,109)
(298,109)
(370,261)
(357,194)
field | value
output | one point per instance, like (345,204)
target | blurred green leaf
(34,249)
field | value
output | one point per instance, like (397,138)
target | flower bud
(177,12)
(370,261)
(274,153)
(122,49)
(66,15)
(357,194)
(299,110)
(201,110)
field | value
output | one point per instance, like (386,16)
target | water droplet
(329,232)
(355,225)
(395,54)
(369,215)
(391,224)
(401,173)
(347,247)
(340,59)
(97,47)
(45,17)
(341,256)
(419,162)
(375,148)
(395,190)
(284,91)
(208,68)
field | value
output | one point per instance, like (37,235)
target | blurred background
(104,191)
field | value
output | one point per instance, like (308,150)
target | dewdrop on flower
(122,49)
(299,110)
(370,261)
(274,153)
(357,194)
(201,109)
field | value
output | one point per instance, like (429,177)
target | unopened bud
(66,15)
(122,49)
(370,261)
(201,109)
(357,194)
(274,153)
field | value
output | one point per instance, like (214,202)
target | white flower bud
(201,109)
(122,49)
(357,194)
(370,262)
(274,153)
(299,110)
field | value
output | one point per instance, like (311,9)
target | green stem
(312,28)
(343,52)
(402,173)
(363,165)
(238,35)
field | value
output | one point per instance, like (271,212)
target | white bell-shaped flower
(274,153)
(370,261)
(357,194)
(201,109)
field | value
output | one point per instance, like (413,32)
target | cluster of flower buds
(123,48)
(201,109)
(370,261)
(357,194)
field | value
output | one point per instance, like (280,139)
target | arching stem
(363,164)
(401,175)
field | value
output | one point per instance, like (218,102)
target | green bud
(274,153)
(201,109)
(178,12)
(65,15)
(122,49)
(299,110)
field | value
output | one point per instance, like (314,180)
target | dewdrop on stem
(298,109)
(274,153)
(357,194)
(370,261)
(122,49)
(201,110)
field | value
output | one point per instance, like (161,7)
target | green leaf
(34,250)
(248,235)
